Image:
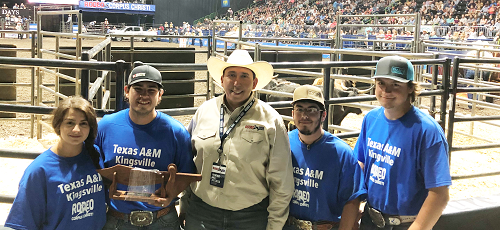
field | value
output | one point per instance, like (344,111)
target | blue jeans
(166,222)
(201,216)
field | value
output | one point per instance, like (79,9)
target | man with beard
(144,138)
(328,179)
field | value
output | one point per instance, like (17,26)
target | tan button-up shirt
(256,154)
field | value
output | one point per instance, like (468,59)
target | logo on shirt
(256,127)
(301,198)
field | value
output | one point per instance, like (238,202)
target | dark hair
(78,103)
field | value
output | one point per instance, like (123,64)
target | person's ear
(323,116)
(255,81)
(127,90)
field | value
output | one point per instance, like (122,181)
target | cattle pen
(439,76)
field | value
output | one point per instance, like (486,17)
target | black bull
(339,111)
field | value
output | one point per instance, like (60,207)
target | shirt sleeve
(351,180)
(279,177)
(184,158)
(30,206)
(434,163)
(359,148)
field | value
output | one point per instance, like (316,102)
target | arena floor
(15,135)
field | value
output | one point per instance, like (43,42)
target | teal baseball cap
(394,67)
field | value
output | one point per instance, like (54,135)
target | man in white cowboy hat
(241,149)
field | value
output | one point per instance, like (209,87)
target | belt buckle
(141,218)
(394,220)
(377,217)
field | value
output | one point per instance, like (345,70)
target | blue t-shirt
(59,193)
(152,146)
(326,177)
(403,158)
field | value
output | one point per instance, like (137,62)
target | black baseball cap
(145,73)
(395,68)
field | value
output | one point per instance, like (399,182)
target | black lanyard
(223,134)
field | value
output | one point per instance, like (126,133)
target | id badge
(218,175)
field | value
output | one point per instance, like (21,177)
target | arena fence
(376,25)
(453,118)
(441,89)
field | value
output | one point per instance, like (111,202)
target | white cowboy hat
(263,70)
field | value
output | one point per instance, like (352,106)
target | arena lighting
(61,2)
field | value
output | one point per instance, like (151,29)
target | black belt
(314,225)
(140,218)
(381,220)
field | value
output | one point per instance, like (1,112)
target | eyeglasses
(307,111)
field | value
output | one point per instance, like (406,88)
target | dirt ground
(15,134)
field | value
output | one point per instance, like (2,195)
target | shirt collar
(226,109)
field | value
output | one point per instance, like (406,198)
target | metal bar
(58,34)
(185,81)
(46,125)
(379,40)
(451,116)
(95,87)
(478,90)
(476,147)
(326,93)
(446,93)
(59,12)
(474,175)
(161,51)
(69,78)
(179,111)
(477,118)
(275,93)
(16,49)
(15,84)
(120,83)
(85,79)
(105,99)
(68,56)
(37,62)
(92,36)
(53,91)
(184,95)
(347,135)
(8,199)
(97,48)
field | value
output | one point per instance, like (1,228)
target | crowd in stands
(15,6)
(451,19)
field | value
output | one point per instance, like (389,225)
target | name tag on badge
(218,175)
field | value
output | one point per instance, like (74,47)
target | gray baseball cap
(145,73)
(395,68)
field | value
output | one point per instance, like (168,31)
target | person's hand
(161,202)
(182,219)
